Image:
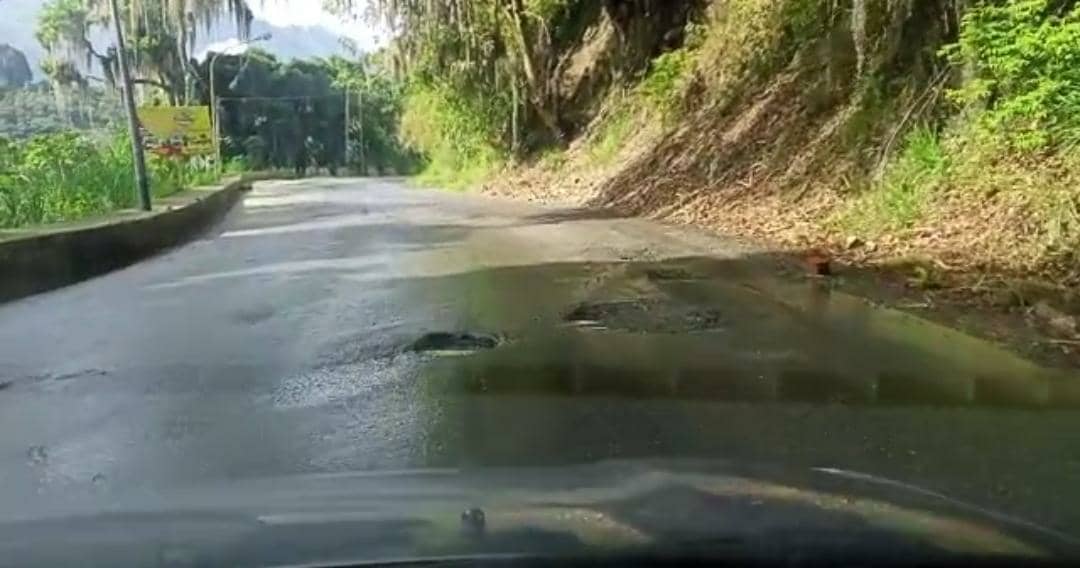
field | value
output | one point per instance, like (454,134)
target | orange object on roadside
(819,264)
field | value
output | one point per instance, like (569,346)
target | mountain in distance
(287,42)
(291,42)
(14,69)
(17,29)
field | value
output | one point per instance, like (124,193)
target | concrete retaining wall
(42,262)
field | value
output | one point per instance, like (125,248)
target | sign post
(178,131)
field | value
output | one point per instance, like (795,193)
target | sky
(299,28)
(310,13)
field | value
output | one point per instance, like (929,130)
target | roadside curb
(42,262)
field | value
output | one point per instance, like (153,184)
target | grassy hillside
(935,140)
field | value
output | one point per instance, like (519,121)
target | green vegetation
(453,132)
(1009,138)
(64,177)
(611,136)
(461,73)
(291,115)
(161,37)
(901,197)
(488,83)
(61,157)
(1024,56)
(663,86)
(657,98)
(39,109)
(922,107)
(553,159)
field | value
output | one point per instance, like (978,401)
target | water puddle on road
(747,340)
(454,343)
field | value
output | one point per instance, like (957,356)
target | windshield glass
(399,280)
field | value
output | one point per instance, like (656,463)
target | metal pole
(214,100)
(142,183)
(214,108)
(346,164)
(363,154)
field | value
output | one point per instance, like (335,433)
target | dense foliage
(292,114)
(472,68)
(491,79)
(457,135)
(40,109)
(1025,59)
(161,37)
(272,114)
(62,177)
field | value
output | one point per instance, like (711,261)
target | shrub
(64,177)
(60,177)
(1024,56)
(457,134)
(610,137)
(663,87)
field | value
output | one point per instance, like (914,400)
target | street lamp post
(213,94)
(348,102)
(363,154)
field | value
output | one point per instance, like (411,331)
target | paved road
(321,329)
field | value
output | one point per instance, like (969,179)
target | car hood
(671,507)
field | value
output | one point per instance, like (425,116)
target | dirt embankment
(782,148)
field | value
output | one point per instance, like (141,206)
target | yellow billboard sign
(177,131)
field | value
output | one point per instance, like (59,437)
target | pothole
(670,274)
(454,343)
(646,316)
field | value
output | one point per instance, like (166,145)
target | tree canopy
(275,113)
(161,37)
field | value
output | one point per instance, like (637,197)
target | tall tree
(162,35)
(478,45)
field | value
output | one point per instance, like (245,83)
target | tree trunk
(181,53)
(515,121)
(538,88)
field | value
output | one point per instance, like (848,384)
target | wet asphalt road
(283,344)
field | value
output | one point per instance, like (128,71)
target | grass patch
(65,177)
(610,138)
(457,135)
(450,170)
(901,198)
(663,87)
